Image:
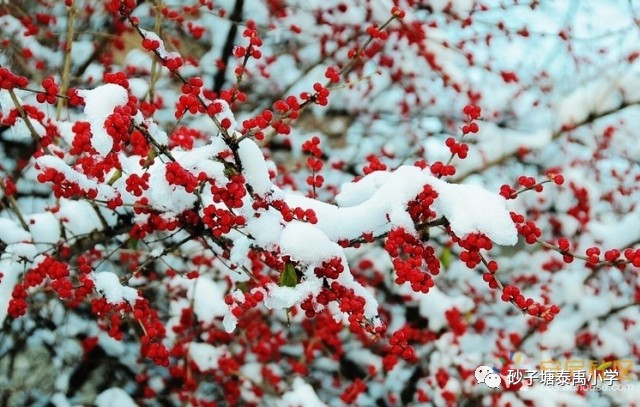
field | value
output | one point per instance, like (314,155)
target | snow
(254,167)
(240,250)
(19,251)
(380,204)
(619,232)
(99,104)
(207,297)
(226,113)
(162,50)
(229,322)
(108,284)
(114,397)
(11,271)
(11,232)
(305,242)
(78,217)
(436,303)
(206,356)
(159,135)
(105,192)
(286,297)
(471,208)
(175,198)
(20,131)
(266,230)
(301,394)
(200,159)
(165,197)
(45,227)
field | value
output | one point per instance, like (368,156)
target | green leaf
(150,157)
(242,286)
(446,257)
(116,176)
(133,243)
(289,277)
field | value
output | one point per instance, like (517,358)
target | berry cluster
(529,230)
(63,188)
(220,220)
(10,81)
(177,175)
(117,78)
(314,163)
(459,149)
(455,321)
(50,94)
(232,193)
(136,184)
(397,12)
(409,255)
(441,169)
(333,74)
(124,7)
(258,123)
(150,44)
(321,95)
(239,305)
(173,62)
(528,305)
(473,112)
(351,393)
(374,164)
(330,269)
(118,125)
(253,48)
(74,99)
(312,146)
(420,208)
(471,245)
(190,100)
(400,346)
(82,138)
(18,302)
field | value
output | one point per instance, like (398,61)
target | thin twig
(64,83)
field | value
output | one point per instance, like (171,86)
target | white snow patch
(305,242)
(78,217)
(301,394)
(114,397)
(11,271)
(471,208)
(380,203)
(206,356)
(286,297)
(434,305)
(45,227)
(226,113)
(54,162)
(108,284)
(99,104)
(254,167)
(207,297)
(267,229)
(11,232)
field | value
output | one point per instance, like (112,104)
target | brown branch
(227,50)
(591,118)
(64,83)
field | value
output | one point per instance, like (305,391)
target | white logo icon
(484,374)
